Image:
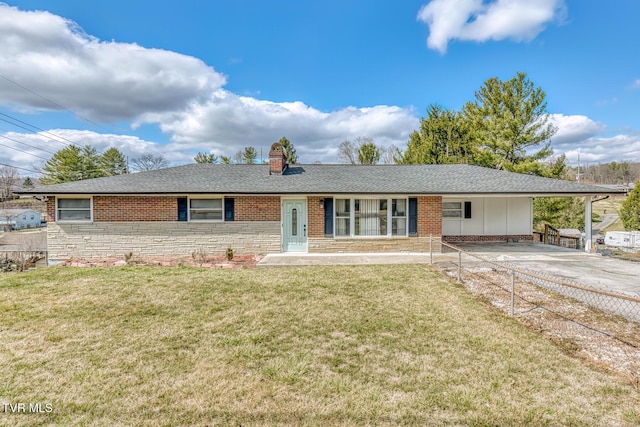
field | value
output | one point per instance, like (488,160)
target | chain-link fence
(600,325)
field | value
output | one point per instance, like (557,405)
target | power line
(24,143)
(44,132)
(52,102)
(18,167)
(22,151)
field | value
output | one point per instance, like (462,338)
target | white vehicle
(623,239)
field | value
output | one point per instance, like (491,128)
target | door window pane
(294,222)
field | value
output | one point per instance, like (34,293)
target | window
(398,217)
(370,217)
(74,209)
(456,210)
(205,209)
(343,217)
(451,209)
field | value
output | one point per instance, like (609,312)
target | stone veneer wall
(159,239)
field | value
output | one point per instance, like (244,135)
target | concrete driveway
(591,270)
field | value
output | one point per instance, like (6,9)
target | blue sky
(175,79)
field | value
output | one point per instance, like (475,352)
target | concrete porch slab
(295,259)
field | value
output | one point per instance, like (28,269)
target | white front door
(294,225)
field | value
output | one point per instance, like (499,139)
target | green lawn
(339,345)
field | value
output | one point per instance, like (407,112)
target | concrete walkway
(291,259)
(592,270)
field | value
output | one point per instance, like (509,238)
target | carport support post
(588,232)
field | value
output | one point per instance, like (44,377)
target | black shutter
(182,208)
(228,209)
(328,217)
(413,216)
(467,210)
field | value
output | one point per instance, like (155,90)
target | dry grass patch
(340,345)
(610,205)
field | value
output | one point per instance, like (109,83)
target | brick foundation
(454,239)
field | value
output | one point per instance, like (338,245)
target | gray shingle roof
(324,179)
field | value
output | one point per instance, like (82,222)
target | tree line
(248,155)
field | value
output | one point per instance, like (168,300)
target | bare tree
(348,152)
(8,178)
(361,152)
(150,162)
(390,155)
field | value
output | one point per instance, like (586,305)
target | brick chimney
(277,159)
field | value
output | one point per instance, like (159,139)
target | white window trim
(189,219)
(81,221)
(390,217)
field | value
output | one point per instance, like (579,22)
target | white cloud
(227,122)
(478,20)
(56,139)
(573,129)
(580,135)
(105,81)
(618,148)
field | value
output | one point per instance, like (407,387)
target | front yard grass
(336,345)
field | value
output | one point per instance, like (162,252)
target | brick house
(275,207)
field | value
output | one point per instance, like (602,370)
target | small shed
(18,219)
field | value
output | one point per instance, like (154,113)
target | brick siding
(165,208)
(134,208)
(429,216)
(315,216)
(51,209)
(257,208)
